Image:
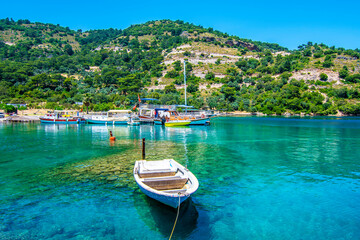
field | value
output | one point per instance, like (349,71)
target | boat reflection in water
(161,218)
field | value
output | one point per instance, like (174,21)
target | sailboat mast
(185,84)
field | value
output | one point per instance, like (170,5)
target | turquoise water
(260,178)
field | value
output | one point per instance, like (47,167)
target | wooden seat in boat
(160,173)
(156,169)
(166,183)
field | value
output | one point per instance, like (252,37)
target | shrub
(191,88)
(323,76)
(343,73)
(210,76)
(353,78)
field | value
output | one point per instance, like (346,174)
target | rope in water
(177,215)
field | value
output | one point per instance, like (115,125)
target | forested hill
(50,66)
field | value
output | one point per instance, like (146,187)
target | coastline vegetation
(54,67)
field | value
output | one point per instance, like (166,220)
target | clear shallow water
(260,178)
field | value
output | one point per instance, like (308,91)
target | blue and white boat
(200,121)
(112,117)
(165,181)
(134,121)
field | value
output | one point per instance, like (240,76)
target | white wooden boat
(112,117)
(165,181)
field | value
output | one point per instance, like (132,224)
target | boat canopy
(159,109)
(184,106)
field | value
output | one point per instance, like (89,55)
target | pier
(22,119)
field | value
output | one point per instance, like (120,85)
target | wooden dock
(22,119)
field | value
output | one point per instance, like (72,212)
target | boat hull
(177,123)
(146,119)
(90,121)
(156,122)
(134,123)
(201,121)
(59,121)
(172,201)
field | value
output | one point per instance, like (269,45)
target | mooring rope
(177,215)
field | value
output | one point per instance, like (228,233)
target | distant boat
(165,181)
(61,118)
(146,114)
(112,117)
(157,114)
(200,121)
(151,113)
(134,121)
(177,123)
(194,119)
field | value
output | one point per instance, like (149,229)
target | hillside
(46,65)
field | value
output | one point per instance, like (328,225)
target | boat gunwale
(191,177)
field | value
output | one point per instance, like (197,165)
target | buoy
(202,116)
(112,138)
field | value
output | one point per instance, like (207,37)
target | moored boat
(177,123)
(166,181)
(112,117)
(134,121)
(194,119)
(200,121)
(60,117)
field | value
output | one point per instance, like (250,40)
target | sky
(288,23)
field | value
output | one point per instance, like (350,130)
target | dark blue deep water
(260,178)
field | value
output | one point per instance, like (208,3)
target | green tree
(323,76)
(229,92)
(209,76)
(355,78)
(68,49)
(170,88)
(86,101)
(177,65)
(191,88)
(328,62)
(344,72)
(9,109)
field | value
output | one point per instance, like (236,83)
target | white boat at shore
(112,117)
(165,181)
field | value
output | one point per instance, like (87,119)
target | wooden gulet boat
(166,181)
(61,118)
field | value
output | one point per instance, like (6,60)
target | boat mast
(185,84)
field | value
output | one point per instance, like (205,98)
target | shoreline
(33,115)
(243,113)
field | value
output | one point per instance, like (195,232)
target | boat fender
(112,138)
